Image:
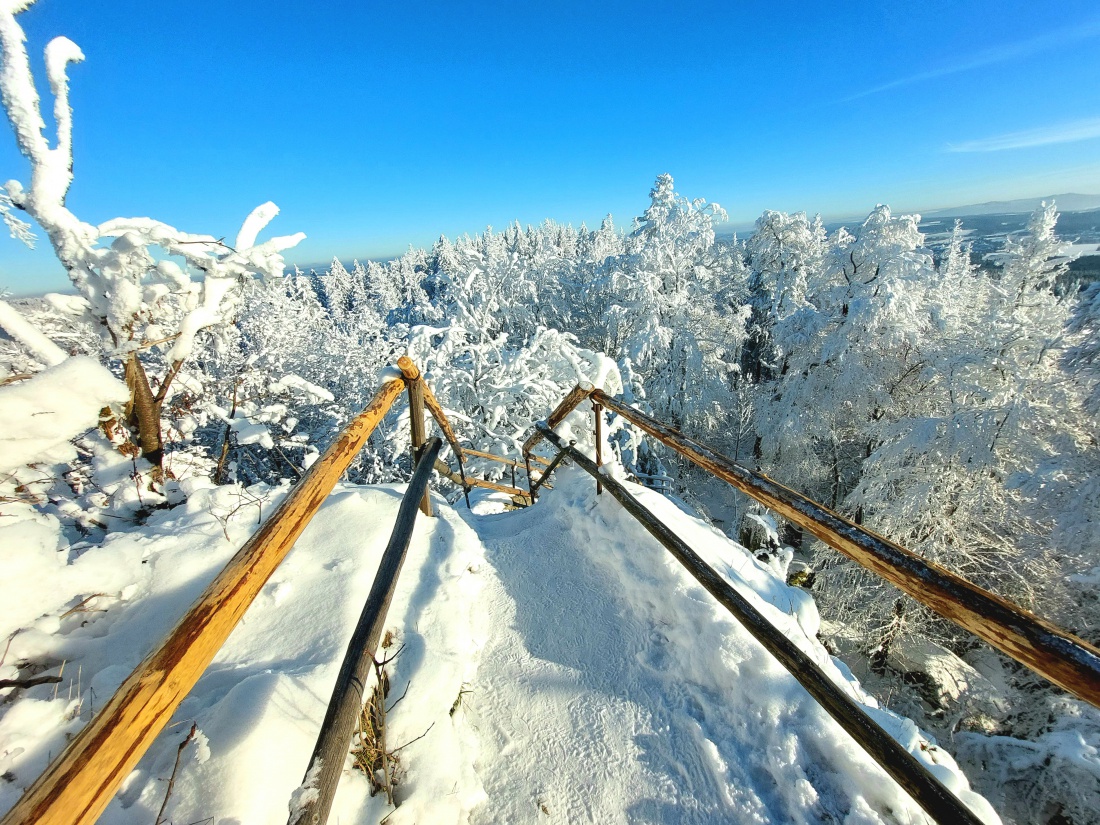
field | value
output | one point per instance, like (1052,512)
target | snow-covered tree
(784,254)
(145,284)
(852,354)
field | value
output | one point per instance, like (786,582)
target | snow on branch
(128,283)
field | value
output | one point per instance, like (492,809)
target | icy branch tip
(260,217)
(59,53)
(13,7)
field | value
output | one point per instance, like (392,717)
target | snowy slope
(259,705)
(614,689)
(562,666)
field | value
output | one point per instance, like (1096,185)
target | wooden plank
(511,462)
(1067,661)
(448,473)
(418,434)
(906,770)
(491,457)
(567,405)
(500,488)
(346,702)
(445,471)
(81,781)
(436,409)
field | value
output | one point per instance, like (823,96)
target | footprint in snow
(278,591)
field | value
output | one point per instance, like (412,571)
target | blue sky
(376,126)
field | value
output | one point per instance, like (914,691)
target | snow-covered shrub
(144,284)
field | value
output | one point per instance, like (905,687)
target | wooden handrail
(327,762)
(451,475)
(1067,661)
(79,784)
(906,769)
(538,459)
(567,405)
(436,409)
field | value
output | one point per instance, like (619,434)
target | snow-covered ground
(556,662)
(259,705)
(1080,250)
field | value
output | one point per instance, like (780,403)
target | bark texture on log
(143,412)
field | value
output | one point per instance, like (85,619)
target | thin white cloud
(1046,136)
(1001,54)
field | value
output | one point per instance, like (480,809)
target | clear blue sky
(375,126)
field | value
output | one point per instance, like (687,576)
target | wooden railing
(78,785)
(1067,661)
(939,802)
(1055,654)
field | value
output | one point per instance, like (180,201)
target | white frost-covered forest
(945,400)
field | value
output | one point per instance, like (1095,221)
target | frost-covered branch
(137,275)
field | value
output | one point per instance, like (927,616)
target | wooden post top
(408,368)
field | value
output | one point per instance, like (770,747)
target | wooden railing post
(416,417)
(597,411)
(550,468)
(436,409)
(530,481)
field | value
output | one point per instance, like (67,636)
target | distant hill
(1076,210)
(1069,202)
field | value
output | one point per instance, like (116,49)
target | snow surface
(1080,250)
(260,704)
(614,689)
(65,399)
(22,330)
(560,665)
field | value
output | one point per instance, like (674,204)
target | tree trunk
(143,412)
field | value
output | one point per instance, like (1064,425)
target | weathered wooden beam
(436,409)
(597,412)
(511,462)
(942,805)
(549,469)
(445,471)
(418,435)
(1067,661)
(491,457)
(500,488)
(81,781)
(327,762)
(448,473)
(538,459)
(567,405)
